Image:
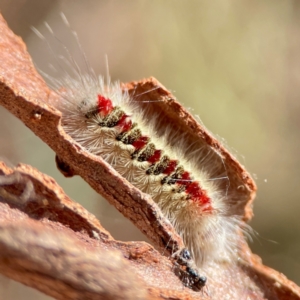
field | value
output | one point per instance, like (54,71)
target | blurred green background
(236,63)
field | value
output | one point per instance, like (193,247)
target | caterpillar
(107,121)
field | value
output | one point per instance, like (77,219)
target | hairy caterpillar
(182,179)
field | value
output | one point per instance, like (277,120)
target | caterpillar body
(107,122)
(185,182)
